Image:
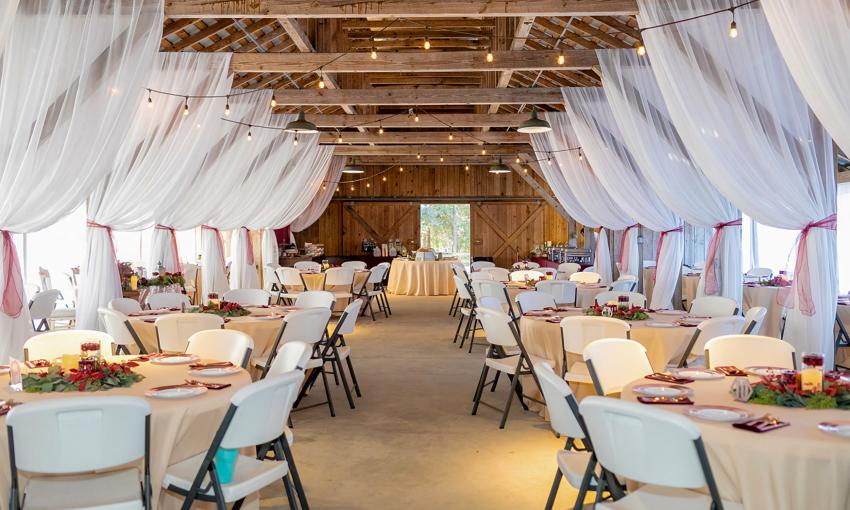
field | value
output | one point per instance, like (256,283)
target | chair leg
(287,485)
(353,376)
(472,338)
(371,310)
(452,306)
(476,398)
(495,381)
(286,452)
(338,362)
(554,490)
(469,321)
(514,382)
(327,391)
(585,483)
(387,301)
(457,331)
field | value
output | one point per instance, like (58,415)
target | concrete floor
(412,443)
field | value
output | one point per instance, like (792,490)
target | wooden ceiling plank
(508,151)
(203,34)
(415,97)
(430,137)
(456,120)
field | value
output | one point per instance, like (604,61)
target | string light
(227,107)
(561,58)
(273,102)
(427,44)
(384,178)
(415,118)
(525,170)
(186,107)
(418,156)
(489,55)
(295,140)
(337,189)
(321,79)
(380,129)
(368,185)
(441,159)
(549,158)
(466,167)
(374,53)
(324,187)
(150,101)
(352,188)
(451,137)
(401,169)
(483,151)
(580,155)
(641,49)
(518,161)
(249,131)
(338,137)
(733,27)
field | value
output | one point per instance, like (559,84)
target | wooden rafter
(415,97)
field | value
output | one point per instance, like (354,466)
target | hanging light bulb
(416,118)
(733,27)
(352,188)
(337,189)
(295,140)
(518,161)
(483,151)
(374,53)
(641,49)
(580,155)
(227,106)
(418,156)
(427,44)
(249,131)
(561,58)
(339,138)
(466,167)
(549,158)
(384,178)
(368,185)
(489,55)
(186,107)
(273,102)
(525,170)
(451,137)
(401,169)
(380,129)
(321,79)
(441,159)
(150,101)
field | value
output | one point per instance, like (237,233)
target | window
(844,238)
(446,228)
(772,246)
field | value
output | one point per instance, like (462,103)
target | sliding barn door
(507,231)
(380,221)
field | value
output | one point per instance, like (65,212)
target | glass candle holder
(811,376)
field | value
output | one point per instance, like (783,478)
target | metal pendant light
(301,125)
(534,125)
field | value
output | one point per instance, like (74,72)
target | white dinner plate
(723,414)
(691,322)
(175,360)
(177,393)
(661,390)
(839,428)
(4,369)
(214,371)
(661,325)
(765,371)
(670,312)
(697,374)
(267,317)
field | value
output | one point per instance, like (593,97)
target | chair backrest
(44,278)
(168,300)
(713,306)
(559,401)
(497,327)
(525,265)
(579,331)
(478,264)
(339,276)
(222,345)
(525,275)
(589,269)
(548,271)
(248,297)
(125,305)
(377,274)
(566,269)
(349,317)
(307,325)
(717,326)
(43,303)
(753,320)
(749,350)
(459,270)
(314,299)
(289,277)
(563,291)
(79,434)
(532,300)
(480,275)
(760,272)
(491,303)
(115,324)
(262,409)
(498,274)
(626,277)
(173,330)
(624,285)
(644,443)
(54,344)
(354,264)
(190,271)
(308,265)
(615,362)
(635,298)
(585,277)
(291,356)
(460,285)
(484,288)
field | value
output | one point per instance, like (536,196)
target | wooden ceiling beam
(597,33)
(395,8)
(507,151)
(474,160)
(429,137)
(197,37)
(455,120)
(415,97)
(238,35)
(521,31)
(417,25)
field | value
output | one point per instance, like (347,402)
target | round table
(690,285)
(421,277)
(585,292)
(761,295)
(790,468)
(180,428)
(316,281)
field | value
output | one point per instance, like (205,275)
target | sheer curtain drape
(814,38)
(71,76)
(748,127)
(243,269)
(271,255)
(602,143)
(158,157)
(644,124)
(322,198)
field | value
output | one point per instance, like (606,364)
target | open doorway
(445,227)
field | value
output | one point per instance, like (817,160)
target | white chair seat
(290,437)
(508,365)
(104,491)
(466,311)
(573,465)
(260,361)
(314,363)
(344,351)
(373,293)
(578,373)
(290,295)
(342,294)
(249,476)
(64,313)
(652,497)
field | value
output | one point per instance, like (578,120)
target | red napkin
(761,425)
(216,364)
(210,386)
(37,363)
(666,400)
(7,406)
(141,358)
(685,324)
(657,376)
(172,386)
(731,371)
(554,320)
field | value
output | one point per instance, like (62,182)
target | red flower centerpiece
(225,309)
(103,376)
(622,312)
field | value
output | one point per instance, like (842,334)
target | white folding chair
(578,466)
(498,274)
(54,344)
(222,345)
(372,289)
(479,264)
(753,320)
(466,306)
(190,274)
(269,278)
(291,356)
(624,285)
(759,273)
(339,277)
(308,265)
(503,338)
(749,350)
(531,300)
(357,265)
(635,298)
(248,297)
(457,270)
(386,266)
(118,326)
(585,277)
(659,449)
(173,330)
(626,277)
(256,416)
(579,332)
(566,269)
(168,300)
(615,362)
(563,291)
(481,275)
(290,283)
(524,265)
(72,449)
(713,306)
(125,305)
(705,331)
(525,275)
(41,307)
(315,299)
(336,349)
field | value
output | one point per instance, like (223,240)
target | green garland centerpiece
(163,280)
(224,309)
(103,376)
(622,312)
(784,390)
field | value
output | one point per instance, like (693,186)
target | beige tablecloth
(315,281)
(766,297)
(179,428)
(791,468)
(585,294)
(421,277)
(689,289)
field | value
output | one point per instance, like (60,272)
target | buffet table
(789,468)
(421,277)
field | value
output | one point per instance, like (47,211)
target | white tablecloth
(766,297)
(421,277)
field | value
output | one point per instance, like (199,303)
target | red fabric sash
(13,282)
(624,249)
(220,244)
(712,286)
(173,245)
(802,273)
(660,244)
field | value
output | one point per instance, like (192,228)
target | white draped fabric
(158,158)
(814,38)
(271,255)
(243,270)
(213,267)
(322,198)
(746,124)
(602,258)
(71,76)
(164,250)
(602,143)
(644,124)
